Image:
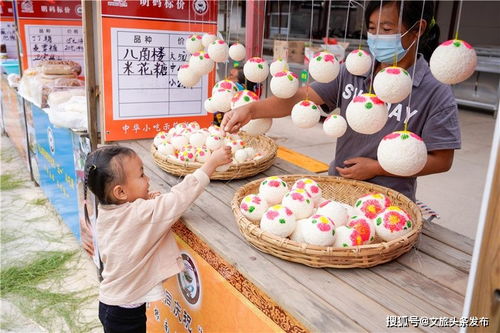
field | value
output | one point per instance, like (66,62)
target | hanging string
(228,32)
(263,29)
(373,62)
(328,20)
(288,28)
(458,18)
(362,25)
(310,43)
(400,24)
(345,38)
(408,108)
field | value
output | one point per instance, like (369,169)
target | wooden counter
(429,281)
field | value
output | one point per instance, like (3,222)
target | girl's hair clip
(92,167)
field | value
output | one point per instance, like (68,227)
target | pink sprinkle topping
(300,184)
(467,45)
(314,189)
(256,200)
(329,58)
(413,135)
(305,103)
(272,214)
(393,70)
(244,206)
(324,227)
(288,211)
(297,196)
(185,66)
(324,203)
(226,85)
(280,74)
(391,136)
(274,183)
(220,41)
(359,99)
(448,42)
(376,100)
(256,59)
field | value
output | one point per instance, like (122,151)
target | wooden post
(255,20)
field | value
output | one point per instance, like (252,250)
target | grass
(9,182)
(38,202)
(8,236)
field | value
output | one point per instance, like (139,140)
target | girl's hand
(360,168)
(86,237)
(153,195)
(219,157)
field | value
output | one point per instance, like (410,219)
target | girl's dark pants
(116,319)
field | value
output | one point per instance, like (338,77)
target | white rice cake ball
(256,69)
(202,154)
(284,84)
(351,211)
(250,152)
(159,138)
(240,156)
(311,187)
(218,51)
(243,97)
(208,39)
(324,67)
(201,63)
(300,203)
(334,126)
(235,144)
(257,127)
(372,204)
(194,125)
(279,65)
(345,236)
(214,142)
(179,141)
(319,230)
(453,61)
(187,76)
(165,149)
(221,99)
(358,62)
(402,153)
(208,105)
(305,114)
(333,210)
(392,223)
(193,43)
(365,229)
(298,234)
(273,189)
(187,154)
(198,139)
(366,114)
(225,84)
(392,84)
(214,129)
(278,220)
(253,207)
(237,51)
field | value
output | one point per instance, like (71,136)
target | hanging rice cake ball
(218,51)
(284,84)
(208,105)
(298,234)
(305,114)
(372,204)
(324,67)
(300,202)
(253,207)
(402,153)
(346,236)
(187,154)
(364,227)
(202,154)
(273,189)
(214,142)
(334,126)
(237,51)
(392,223)
(165,148)
(311,187)
(187,76)
(279,65)
(240,156)
(201,63)
(159,138)
(392,84)
(221,99)
(179,141)
(358,62)
(333,210)
(250,152)
(453,61)
(208,39)
(278,220)
(193,43)
(225,84)
(366,114)
(256,69)
(256,127)
(197,139)
(319,230)
(243,97)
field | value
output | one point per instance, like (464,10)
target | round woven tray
(262,144)
(338,189)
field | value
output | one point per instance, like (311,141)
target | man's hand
(360,168)
(235,119)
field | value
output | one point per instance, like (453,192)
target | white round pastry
(279,65)
(197,139)
(179,141)
(218,51)
(214,129)
(284,84)
(364,227)
(300,202)
(187,76)
(334,126)
(194,125)
(319,230)
(402,153)
(311,187)
(193,43)
(235,144)
(257,127)
(187,154)
(333,210)
(208,105)
(305,114)
(358,62)
(366,114)
(240,156)
(237,51)
(372,204)
(392,223)
(351,211)
(392,84)
(273,189)
(208,39)
(201,63)
(166,149)
(243,97)
(225,84)
(298,233)
(214,142)
(324,67)
(202,154)
(278,220)
(256,69)
(253,207)
(346,236)
(250,152)
(221,99)
(453,61)
(159,138)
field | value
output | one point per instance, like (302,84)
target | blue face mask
(386,48)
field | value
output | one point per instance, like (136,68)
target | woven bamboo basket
(339,189)
(262,144)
